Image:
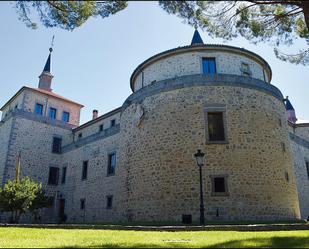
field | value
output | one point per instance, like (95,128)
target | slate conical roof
(196,39)
(48,62)
(288,105)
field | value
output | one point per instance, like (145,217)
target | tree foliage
(278,22)
(21,196)
(66,14)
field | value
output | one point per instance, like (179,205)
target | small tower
(290,111)
(46,77)
(196,39)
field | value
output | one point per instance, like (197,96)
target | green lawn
(61,238)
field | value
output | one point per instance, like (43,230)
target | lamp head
(199,157)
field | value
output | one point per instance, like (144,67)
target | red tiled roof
(43,92)
(53,95)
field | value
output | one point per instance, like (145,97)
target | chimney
(94,114)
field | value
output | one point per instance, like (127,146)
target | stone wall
(33,139)
(300,148)
(162,175)
(89,130)
(32,97)
(5,134)
(98,184)
(190,63)
(17,102)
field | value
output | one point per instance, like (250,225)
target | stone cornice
(38,118)
(202,80)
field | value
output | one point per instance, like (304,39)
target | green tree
(278,22)
(40,201)
(18,197)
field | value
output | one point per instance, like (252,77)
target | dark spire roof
(196,39)
(288,105)
(48,62)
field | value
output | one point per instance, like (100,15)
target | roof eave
(12,98)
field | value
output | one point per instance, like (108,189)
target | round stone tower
(218,99)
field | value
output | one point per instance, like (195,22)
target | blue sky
(93,64)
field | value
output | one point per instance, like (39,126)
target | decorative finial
(52,44)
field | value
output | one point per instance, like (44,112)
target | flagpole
(17,173)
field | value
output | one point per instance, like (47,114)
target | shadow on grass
(275,242)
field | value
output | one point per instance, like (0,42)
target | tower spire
(196,39)
(290,111)
(46,76)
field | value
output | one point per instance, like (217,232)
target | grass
(74,238)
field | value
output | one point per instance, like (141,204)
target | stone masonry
(154,135)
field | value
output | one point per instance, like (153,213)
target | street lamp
(199,156)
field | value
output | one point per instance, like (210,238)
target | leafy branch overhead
(275,22)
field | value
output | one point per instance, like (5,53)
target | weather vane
(52,44)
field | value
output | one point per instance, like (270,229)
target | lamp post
(199,156)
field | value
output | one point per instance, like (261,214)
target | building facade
(136,163)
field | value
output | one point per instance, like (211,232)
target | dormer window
(209,66)
(38,109)
(52,113)
(245,69)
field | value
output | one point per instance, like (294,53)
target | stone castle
(136,163)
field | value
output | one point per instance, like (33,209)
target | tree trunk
(305,6)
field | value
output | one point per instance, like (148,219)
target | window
(245,69)
(82,204)
(57,145)
(215,126)
(307,167)
(111,164)
(109,201)
(80,135)
(66,116)
(53,176)
(101,128)
(283,147)
(52,113)
(113,122)
(186,219)
(39,109)
(286,174)
(85,170)
(209,65)
(64,173)
(219,185)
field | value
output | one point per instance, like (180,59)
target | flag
(17,173)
